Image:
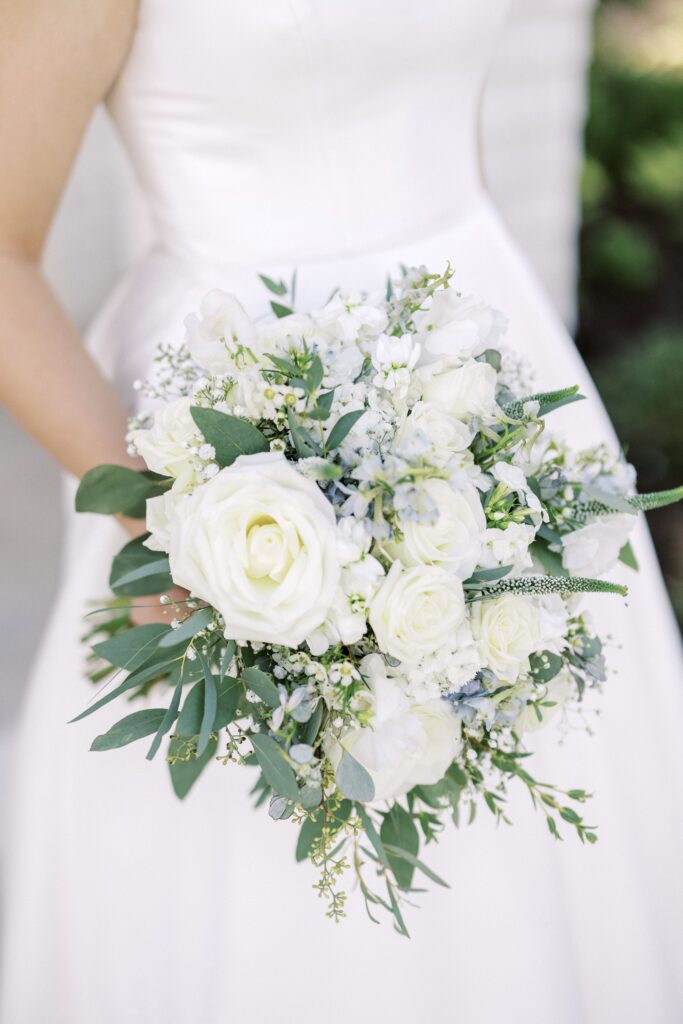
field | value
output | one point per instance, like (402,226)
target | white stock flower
(462,391)
(457,326)
(553,623)
(406,743)
(507,630)
(507,547)
(223,329)
(453,542)
(258,543)
(166,446)
(393,359)
(416,612)
(594,549)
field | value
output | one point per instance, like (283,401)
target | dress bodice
(300,129)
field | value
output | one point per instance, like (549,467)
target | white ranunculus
(406,743)
(258,543)
(594,549)
(507,547)
(160,513)
(458,327)
(507,630)
(453,541)
(416,612)
(445,433)
(463,391)
(166,446)
(219,335)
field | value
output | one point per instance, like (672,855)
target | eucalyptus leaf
(277,773)
(131,557)
(134,647)
(210,707)
(132,727)
(263,685)
(114,490)
(398,831)
(353,780)
(229,435)
(342,427)
(190,626)
(276,287)
(185,773)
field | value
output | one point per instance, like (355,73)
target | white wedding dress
(340,139)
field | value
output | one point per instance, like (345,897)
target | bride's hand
(150,609)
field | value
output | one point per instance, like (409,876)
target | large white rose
(217,337)
(453,541)
(167,446)
(258,543)
(416,612)
(445,433)
(594,549)
(462,391)
(457,326)
(406,743)
(507,630)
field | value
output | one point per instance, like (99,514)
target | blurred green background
(630,328)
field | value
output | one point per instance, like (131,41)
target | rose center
(270,552)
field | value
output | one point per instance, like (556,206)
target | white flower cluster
(381,492)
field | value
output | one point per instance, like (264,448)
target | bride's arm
(58,58)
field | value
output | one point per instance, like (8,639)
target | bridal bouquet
(382,548)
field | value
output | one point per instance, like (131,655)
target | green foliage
(353,780)
(136,571)
(277,772)
(114,490)
(132,727)
(185,767)
(398,830)
(263,685)
(229,435)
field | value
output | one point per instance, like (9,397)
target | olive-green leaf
(341,428)
(134,647)
(132,727)
(263,685)
(135,556)
(113,490)
(276,771)
(353,780)
(184,773)
(398,830)
(229,435)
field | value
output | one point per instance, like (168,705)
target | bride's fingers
(152,609)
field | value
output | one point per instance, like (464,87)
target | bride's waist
(149,306)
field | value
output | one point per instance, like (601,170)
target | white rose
(167,446)
(445,433)
(457,326)
(407,743)
(160,513)
(217,337)
(453,541)
(507,547)
(507,630)
(416,612)
(258,543)
(594,549)
(463,391)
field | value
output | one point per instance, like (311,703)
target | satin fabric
(340,140)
